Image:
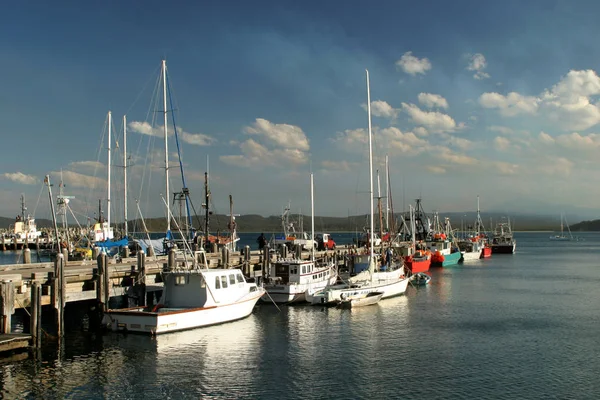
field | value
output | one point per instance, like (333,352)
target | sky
(492,99)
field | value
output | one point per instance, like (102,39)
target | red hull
(486,252)
(416,266)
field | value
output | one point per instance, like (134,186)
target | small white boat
(361,300)
(192,298)
(421,279)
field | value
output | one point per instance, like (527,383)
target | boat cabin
(293,271)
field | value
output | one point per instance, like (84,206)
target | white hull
(390,284)
(171,319)
(294,292)
(469,256)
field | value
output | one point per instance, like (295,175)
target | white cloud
(391,138)
(501,143)
(22,178)
(419,130)
(435,169)
(344,166)
(432,100)
(282,135)
(510,105)
(87,165)
(433,121)
(579,142)
(478,63)
(461,143)
(413,65)
(545,138)
(455,158)
(76,179)
(144,128)
(282,144)
(505,168)
(380,108)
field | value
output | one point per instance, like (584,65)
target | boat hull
(449,260)
(171,320)
(469,256)
(415,265)
(333,295)
(486,252)
(505,248)
(368,300)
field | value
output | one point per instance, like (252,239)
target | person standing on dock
(262,241)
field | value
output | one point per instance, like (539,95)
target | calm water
(522,326)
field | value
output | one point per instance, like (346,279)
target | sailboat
(562,236)
(193,296)
(294,279)
(369,274)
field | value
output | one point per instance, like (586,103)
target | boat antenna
(312,216)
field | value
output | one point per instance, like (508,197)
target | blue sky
(496,99)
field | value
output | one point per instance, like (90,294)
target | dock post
(125,251)
(265,261)
(101,288)
(36,315)
(3,243)
(284,251)
(298,251)
(95,252)
(171,260)
(141,279)
(7,294)
(65,253)
(37,244)
(247,259)
(58,295)
(150,251)
(26,256)
(225,257)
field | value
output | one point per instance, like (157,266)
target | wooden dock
(14,341)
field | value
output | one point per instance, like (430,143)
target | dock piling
(247,259)
(58,293)
(36,315)
(7,297)
(141,279)
(26,255)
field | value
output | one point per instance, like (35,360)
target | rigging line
(187,204)
(38,200)
(143,89)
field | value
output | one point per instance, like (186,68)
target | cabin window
(240,278)
(180,280)
(217,282)
(304,269)
(202,283)
(232,279)
(224,281)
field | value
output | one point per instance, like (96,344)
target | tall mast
(167,192)
(312,216)
(387,195)
(379,206)
(125,171)
(206,200)
(108,195)
(370,168)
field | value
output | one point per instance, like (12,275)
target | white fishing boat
(24,230)
(292,279)
(192,298)
(370,274)
(503,241)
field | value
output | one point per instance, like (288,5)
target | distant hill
(258,223)
(586,226)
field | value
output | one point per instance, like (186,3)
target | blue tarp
(110,243)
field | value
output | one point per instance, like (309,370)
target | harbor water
(522,326)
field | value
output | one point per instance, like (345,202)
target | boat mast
(387,195)
(312,216)
(379,208)
(167,192)
(371,255)
(125,172)
(206,200)
(108,195)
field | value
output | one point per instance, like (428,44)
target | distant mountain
(258,223)
(586,226)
